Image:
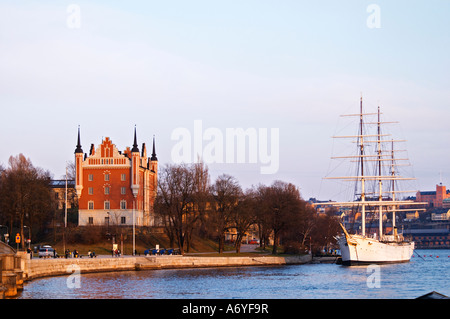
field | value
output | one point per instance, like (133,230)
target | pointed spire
(78,149)
(135,145)
(153,158)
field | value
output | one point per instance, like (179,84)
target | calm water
(325,281)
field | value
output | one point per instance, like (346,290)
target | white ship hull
(356,249)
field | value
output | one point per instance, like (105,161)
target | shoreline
(40,268)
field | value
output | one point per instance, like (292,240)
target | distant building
(434,198)
(59,191)
(112,186)
(429,238)
(446,203)
(412,215)
(58,188)
(321,206)
(441,215)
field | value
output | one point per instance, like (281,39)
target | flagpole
(65,217)
(134,227)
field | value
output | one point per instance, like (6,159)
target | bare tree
(244,216)
(281,202)
(225,193)
(161,209)
(307,223)
(326,228)
(263,220)
(200,200)
(176,189)
(25,194)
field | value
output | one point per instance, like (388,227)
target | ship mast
(380,182)
(363,190)
(393,187)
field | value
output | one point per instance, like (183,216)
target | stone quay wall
(36,268)
(11,274)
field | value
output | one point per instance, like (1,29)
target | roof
(433,295)
(61,183)
(78,149)
(428,193)
(135,145)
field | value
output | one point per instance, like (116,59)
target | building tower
(153,166)
(135,163)
(78,166)
(154,159)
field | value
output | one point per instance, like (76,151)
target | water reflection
(408,280)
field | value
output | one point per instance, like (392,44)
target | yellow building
(58,188)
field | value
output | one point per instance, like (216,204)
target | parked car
(46,251)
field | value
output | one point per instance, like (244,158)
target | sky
(291,67)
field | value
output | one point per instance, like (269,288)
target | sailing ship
(377,168)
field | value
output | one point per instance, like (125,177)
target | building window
(90,177)
(107,204)
(91,190)
(123,204)
(123,220)
(107,220)
(91,205)
(106,190)
(123,177)
(91,220)
(123,190)
(106,177)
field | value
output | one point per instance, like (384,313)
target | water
(318,281)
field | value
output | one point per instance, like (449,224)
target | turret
(154,159)
(78,166)
(135,160)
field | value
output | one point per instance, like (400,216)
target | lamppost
(65,216)
(134,226)
(109,217)
(113,237)
(29,236)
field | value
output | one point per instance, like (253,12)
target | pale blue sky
(292,65)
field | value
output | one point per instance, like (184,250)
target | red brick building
(434,198)
(112,186)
